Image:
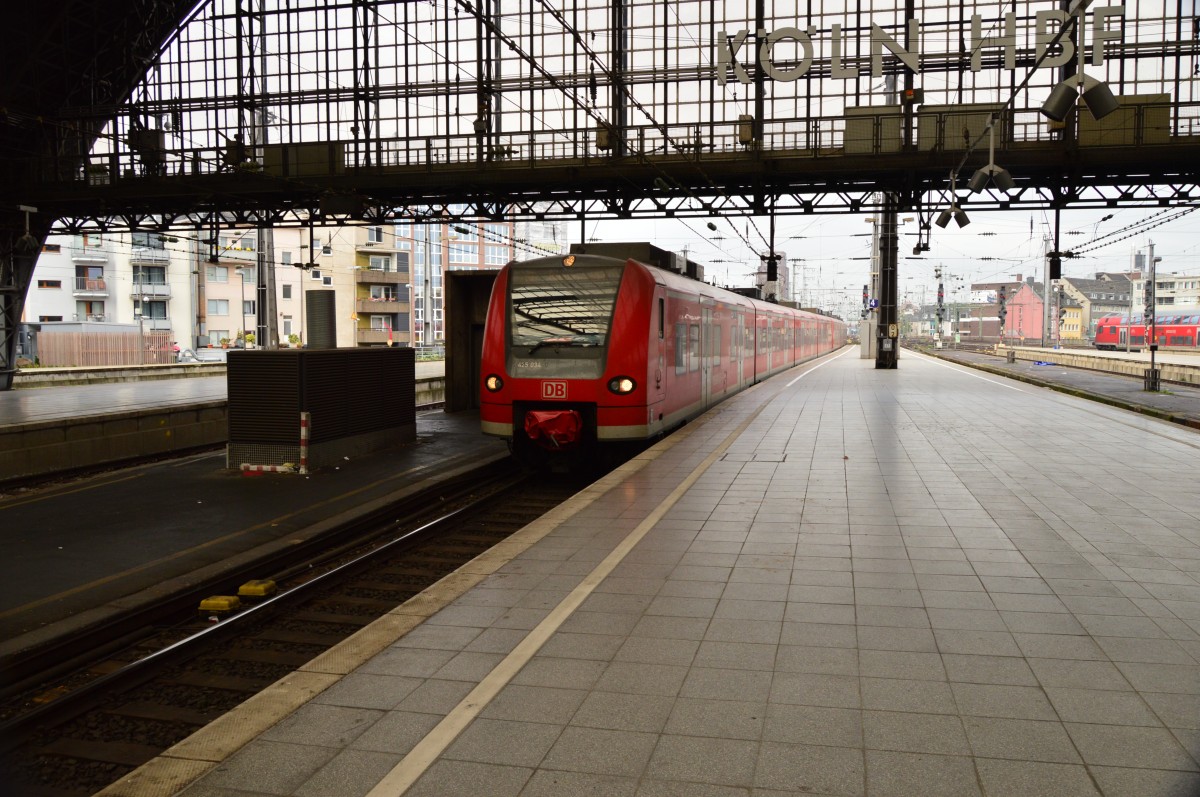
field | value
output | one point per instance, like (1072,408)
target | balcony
(154,324)
(381,306)
(151,291)
(147,254)
(380,336)
(370,276)
(90,287)
(94,317)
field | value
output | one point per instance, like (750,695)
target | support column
(887,353)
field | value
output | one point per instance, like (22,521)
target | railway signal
(1002,310)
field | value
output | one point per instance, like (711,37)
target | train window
(694,347)
(680,349)
(661,321)
(715,338)
(561,317)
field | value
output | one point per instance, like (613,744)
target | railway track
(79,732)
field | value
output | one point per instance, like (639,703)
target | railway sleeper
(124,753)
(159,712)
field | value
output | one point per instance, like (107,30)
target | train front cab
(569,354)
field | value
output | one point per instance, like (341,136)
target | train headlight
(621,385)
(493,383)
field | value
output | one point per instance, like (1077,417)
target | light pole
(241,272)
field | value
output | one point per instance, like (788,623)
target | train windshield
(559,317)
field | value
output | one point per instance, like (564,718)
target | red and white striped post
(305,420)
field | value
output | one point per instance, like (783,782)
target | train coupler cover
(553,429)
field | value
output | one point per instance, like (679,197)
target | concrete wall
(39,449)
(1170,373)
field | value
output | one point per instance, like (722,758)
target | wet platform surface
(84,549)
(847,581)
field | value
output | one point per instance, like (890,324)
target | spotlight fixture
(954,211)
(1096,93)
(997,175)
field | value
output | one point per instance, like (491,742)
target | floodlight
(943,218)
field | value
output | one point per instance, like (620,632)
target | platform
(79,552)
(844,581)
(48,430)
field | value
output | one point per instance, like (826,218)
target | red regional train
(1175,328)
(585,350)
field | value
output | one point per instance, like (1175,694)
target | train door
(1124,335)
(658,351)
(706,355)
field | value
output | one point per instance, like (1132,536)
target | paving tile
(819,634)
(810,689)
(892,694)
(819,613)
(901,664)
(754,631)
(1034,778)
(350,772)
(726,684)
(1146,651)
(894,616)
(671,627)
(1175,710)
(534,704)
(806,769)
(613,711)
(600,751)
(906,639)
(735,655)
(832,661)
(1101,706)
(636,678)
(728,762)
(550,783)
(1058,646)
(813,725)
(323,725)
(560,673)
(414,663)
(967,619)
(1042,623)
(1079,674)
(269,767)
(722,719)
(1027,740)
(984,643)
(899,774)
(1127,746)
(507,742)
(914,733)
(396,732)
(739,609)
(1001,700)
(658,651)
(365,690)
(597,647)
(469,779)
(1175,678)
(1142,782)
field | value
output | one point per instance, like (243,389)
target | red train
(1175,328)
(586,349)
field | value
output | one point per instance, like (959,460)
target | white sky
(836,250)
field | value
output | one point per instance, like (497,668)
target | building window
(383,293)
(150,240)
(216,273)
(156,309)
(381,323)
(49,318)
(218,307)
(51,248)
(149,275)
(315,274)
(287,291)
(49,283)
(287,325)
(285,258)
(92,239)
(467,254)
(327,281)
(380,263)
(495,255)
(218,335)
(374,235)
(248,306)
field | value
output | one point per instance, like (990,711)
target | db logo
(554,390)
